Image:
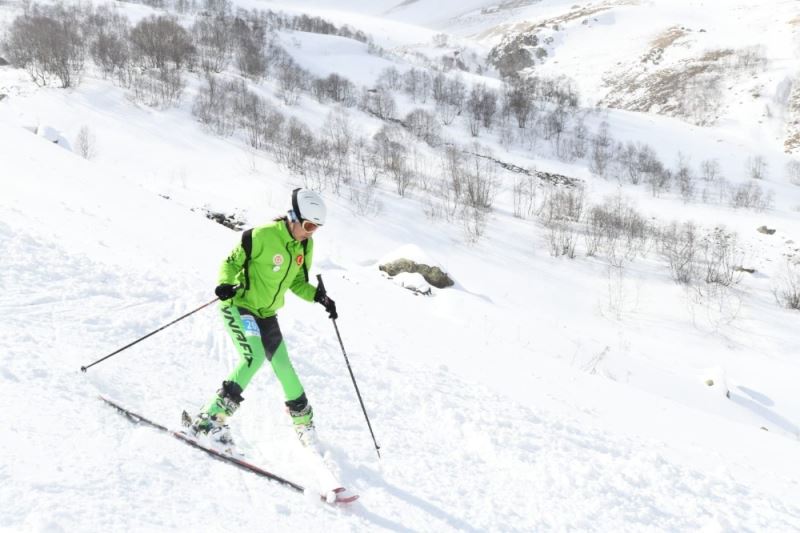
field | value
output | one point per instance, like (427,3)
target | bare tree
(616,229)
(47,45)
(787,288)
(685,179)
(756,167)
(291,81)
(481,107)
(628,160)
(392,151)
(481,184)
(417,84)
(601,150)
(379,102)
(449,95)
(335,88)
(562,238)
(213,106)
(85,143)
(296,147)
(156,87)
(555,124)
(710,170)
(579,142)
(524,196)
(214,40)
(750,195)
(793,171)
(338,131)
(678,245)
(390,78)
(424,126)
(160,42)
(722,256)
(518,100)
(110,48)
(250,53)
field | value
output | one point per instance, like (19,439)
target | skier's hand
(321,297)
(330,307)
(226,291)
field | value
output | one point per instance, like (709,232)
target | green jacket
(276,265)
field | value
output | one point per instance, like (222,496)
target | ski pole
(87,367)
(349,369)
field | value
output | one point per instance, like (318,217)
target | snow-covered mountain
(571,379)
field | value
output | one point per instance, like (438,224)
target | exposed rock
(766,231)
(549,177)
(432,274)
(515,53)
(229,221)
(3,62)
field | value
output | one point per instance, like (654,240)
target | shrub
(335,88)
(424,126)
(722,257)
(793,171)
(48,45)
(616,229)
(787,290)
(160,42)
(750,195)
(678,245)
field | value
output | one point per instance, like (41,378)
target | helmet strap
(295,206)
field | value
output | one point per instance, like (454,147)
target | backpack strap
(247,246)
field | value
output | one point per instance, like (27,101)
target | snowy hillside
(709,63)
(578,375)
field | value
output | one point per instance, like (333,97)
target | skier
(253,280)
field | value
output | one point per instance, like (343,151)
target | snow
(537,394)
(411,252)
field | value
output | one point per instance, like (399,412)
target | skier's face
(303,230)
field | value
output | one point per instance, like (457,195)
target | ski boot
(303,420)
(211,426)
(307,435)
(212,422)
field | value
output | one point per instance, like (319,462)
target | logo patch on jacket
(277,261)
(299,260)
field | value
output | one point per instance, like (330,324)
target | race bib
(250,326)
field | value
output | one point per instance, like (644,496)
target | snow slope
(597,44)
(537,394)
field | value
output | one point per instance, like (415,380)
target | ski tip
(339,496)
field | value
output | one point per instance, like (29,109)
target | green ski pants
(258,340)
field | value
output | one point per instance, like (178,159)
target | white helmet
(308,205)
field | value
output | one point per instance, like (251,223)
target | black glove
(321,297)
(226,291)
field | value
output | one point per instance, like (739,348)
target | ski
(335,496)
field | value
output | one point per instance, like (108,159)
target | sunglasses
(309,227)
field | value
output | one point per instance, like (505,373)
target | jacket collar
(286,233)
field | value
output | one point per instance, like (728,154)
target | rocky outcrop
(432,274)
(516,53)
